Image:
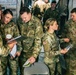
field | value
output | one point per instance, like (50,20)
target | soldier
(70,32)
(31,28)
(4,51)
(8,27)
(51,12)
(52,48)
(39,8)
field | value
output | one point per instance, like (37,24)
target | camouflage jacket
(48,5)
(12,29)
(41,4)
(70,32)
(51,47)
(39,8)
(4,49)
(33,32)
(51,14)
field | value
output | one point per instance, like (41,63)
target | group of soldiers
(36,34)
(43,9)
(27,25)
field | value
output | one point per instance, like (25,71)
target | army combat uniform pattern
(39,8)
(70,32)
(52,51)
(48,5)
(11,28)
(33,32)
(51,14)
(4,51)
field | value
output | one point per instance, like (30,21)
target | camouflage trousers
(22,59)
(71,66)
(13,65)
(54,68)
(3,65)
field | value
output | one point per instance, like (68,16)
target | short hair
(53,2)
(7,11)
(73,10)
(49,22)
(24,9)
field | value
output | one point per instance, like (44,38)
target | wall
(72,4)
(14,5)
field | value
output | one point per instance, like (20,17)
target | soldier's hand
(32,60)
(17,53)
(64,51)
(11,45)
(66,39)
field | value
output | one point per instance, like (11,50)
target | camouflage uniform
(48,5)
(52,52)
(39,8)
(4,51)
(70,32)
(11,29)
(49,13)
(32,30)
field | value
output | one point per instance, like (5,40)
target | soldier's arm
(65,31)
(16,33)
(64,40)
(4,49)
(61,40)
(48,47)
(38,36)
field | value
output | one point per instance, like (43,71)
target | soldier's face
(53,5)
(54,26)
(26,17)
(46,1)
(7,18)
(73,16)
